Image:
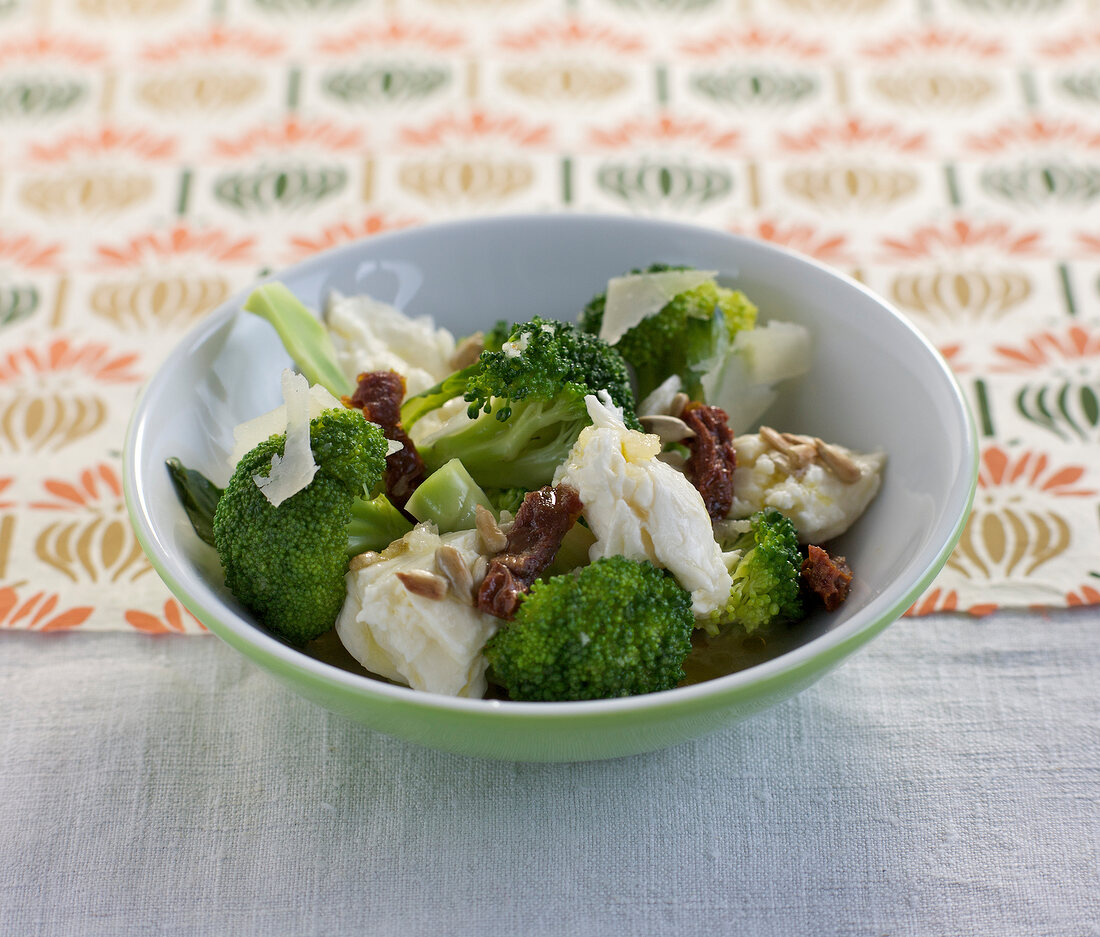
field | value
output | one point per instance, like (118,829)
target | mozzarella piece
(428,644)
(370,335)
(819,504)
(643,509)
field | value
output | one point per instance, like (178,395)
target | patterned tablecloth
(155,155)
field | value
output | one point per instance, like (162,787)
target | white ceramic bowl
(875,383)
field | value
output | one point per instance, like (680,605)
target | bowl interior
(874,384)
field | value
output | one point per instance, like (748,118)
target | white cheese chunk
(643,509)
(428,644)
(635,297)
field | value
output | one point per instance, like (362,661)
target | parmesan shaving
(248,435)
(632,298)
(295,470)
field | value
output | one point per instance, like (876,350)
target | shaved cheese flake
(638,296)
(774,351)
(392,446)
(295,470)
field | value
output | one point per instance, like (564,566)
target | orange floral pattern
(667,130)
(960,236)
(322,136)
(94,359)
(181,241)
(173,619)
(344,232)
(804,238)
(40,611)
(1075,344)
(952,167)
(755,40)
(478,126)
(392,34)
(573,34)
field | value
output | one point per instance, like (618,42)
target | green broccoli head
(543,356)
(286,564)
(687,337)
(616,628)
(526,404)
(767,579)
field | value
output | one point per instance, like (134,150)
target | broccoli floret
(526,404)
(688,337)
(616,628)
(287,563)
(767,578)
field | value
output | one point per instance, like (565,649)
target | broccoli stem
(375,524)
(303,336)
(448,498)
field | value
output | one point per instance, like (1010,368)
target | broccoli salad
(547,510)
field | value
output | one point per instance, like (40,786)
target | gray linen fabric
(945,781)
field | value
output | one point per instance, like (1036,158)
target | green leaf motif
(1071,410)
(739,86)
(1044,183)
(652,184)
(283,187)
(17,302)
(1084,86)
(38,97)
(372,84)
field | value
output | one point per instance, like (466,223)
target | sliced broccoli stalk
(767,578)
(448,498)
(375,524)
(303,336)
(286,564)
(198,495)
(523,450)
(616,628)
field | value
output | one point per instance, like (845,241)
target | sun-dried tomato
(826,576)
(710,467)
(541,522)
(379,395)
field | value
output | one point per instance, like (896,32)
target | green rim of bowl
(814,657)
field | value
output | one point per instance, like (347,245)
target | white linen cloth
(945,781)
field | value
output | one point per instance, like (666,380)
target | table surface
(944,781)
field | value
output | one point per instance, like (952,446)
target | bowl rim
(277,655)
